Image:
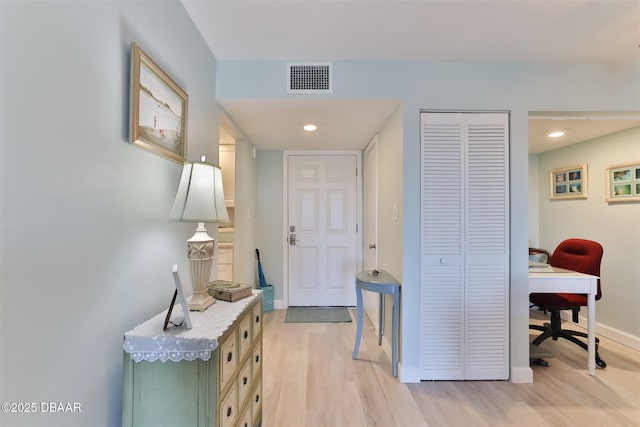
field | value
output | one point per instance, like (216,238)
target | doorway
(322,223)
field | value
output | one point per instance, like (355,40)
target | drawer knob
(246,334)
(229,411)
(257,398)
(257,358)
(229,357)
(244,380)
(258,318)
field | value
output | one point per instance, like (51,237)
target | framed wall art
(623,182)
(158,109)
(568,183)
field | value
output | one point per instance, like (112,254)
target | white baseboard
(522,375)
(608,332)
(408,374)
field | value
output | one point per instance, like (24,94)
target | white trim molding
(522,375)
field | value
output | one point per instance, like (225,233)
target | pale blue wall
(519,88)
(389,244)
(389,193)
(269,212)
(534,186)
(86,247)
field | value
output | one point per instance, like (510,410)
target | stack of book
(229,291)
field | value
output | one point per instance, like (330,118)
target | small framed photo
(568,183)
(158,110)
(623,182)
(182,300)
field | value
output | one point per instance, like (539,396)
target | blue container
(267,298)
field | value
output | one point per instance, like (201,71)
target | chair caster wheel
(601,363)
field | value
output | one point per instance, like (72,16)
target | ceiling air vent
(309,78)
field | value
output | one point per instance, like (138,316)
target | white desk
(551,280)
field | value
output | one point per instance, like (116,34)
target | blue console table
(382,283)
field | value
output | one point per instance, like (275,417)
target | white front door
(322,221)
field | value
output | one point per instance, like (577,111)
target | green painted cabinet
(225,390)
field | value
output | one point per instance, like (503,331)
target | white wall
(520,88)
(616,226)
(86,247)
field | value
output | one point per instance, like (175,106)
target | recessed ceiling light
(554,134)
(310,127)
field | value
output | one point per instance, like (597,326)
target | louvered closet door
(441,293)
(465,246)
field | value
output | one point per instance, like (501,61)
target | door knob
(372,245)
(292,239)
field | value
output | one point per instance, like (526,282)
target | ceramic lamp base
(200,301)
(200,254)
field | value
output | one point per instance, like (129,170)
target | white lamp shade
(200,196)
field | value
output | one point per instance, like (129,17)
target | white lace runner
(148,342)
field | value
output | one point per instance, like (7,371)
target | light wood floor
(310,379)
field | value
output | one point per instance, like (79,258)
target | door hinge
(356,171)
(356,228)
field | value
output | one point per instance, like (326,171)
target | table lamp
(200,198)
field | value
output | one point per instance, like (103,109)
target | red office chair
(579,255)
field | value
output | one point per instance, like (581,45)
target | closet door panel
(442,293)
(487,245)
(442,344)
(487,203)
(487,323)
(442,189)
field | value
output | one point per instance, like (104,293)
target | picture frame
(158,109)
(568,183)
(182,300)
(623,182)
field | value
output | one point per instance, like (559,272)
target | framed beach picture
(623,182)
(568,183)
(158,110)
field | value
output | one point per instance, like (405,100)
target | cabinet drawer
(246,337)
(228,357)
(229,408)
(257,318)
(256,401)
(257,359)
(244,382)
